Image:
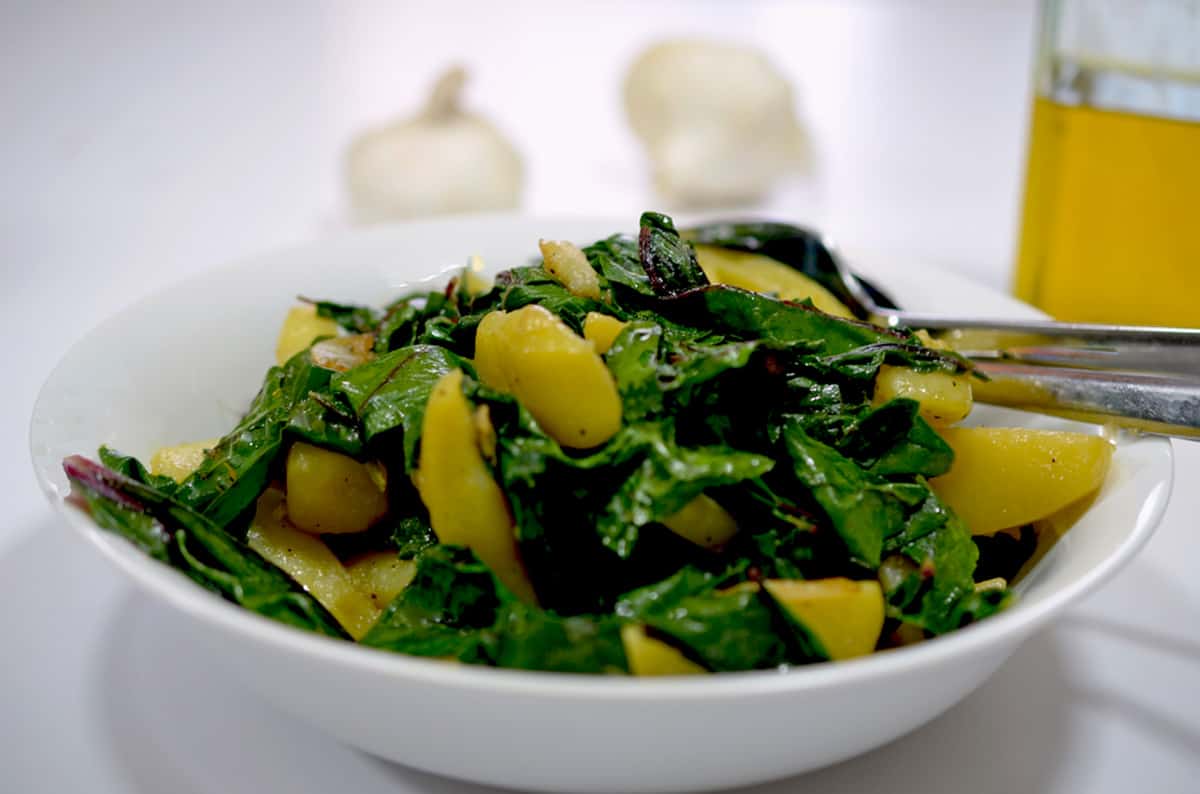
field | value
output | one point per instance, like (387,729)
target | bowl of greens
(554,517)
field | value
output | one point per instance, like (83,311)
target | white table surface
(145,141)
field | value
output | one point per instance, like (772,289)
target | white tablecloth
(145,141)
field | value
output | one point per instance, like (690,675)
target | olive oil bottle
(1111,220)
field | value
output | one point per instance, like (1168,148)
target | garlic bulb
(441,160)
(716,119)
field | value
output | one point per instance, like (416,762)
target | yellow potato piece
(473,280)
(492,351)
(845,616)
(945,397)
(570,267)
(309,561)
(907,634)
(181,460)
(328,492)
(466,506)
(380,576)
(601,330)
(485,433)
(763,274)
(1008,477)
(740,587)
(648,656)
(703,522)
(555,373)
(300,329)
(997,584)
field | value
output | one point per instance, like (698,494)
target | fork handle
(1084,345)
(1164,404)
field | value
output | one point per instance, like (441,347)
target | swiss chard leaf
(689,365)
(668,259)
(863,508)
(452,598)
(390,392)
(634,362)
(894,440)
(525,285)
(938,592)
(734,629)
(187,540)
(666,594)
(750,315)
(650,363)
(132,468)
(863,363)
(557,501)
(237,470)
(355,319)
(667,478)
(400,326)
(889,440)
(616,258)
(456,608)
(784,552)
(528,638)
(323,420)
(412,535)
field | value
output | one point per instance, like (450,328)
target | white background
(140,142)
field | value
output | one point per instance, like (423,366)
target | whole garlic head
(441,160)
(717,120)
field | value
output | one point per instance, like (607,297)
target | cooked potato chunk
(997,584)
(328,492)
(703,522)
(763,274)
(179,461)
(300,329)
(309,561)
(601,330)
(740,587)
(648,656)
(474,281)
(553,371)
(1007,477)
(466,506)
(485,433)
(381,576)
(907,634)
(492,351)
(845,616)
(570,267)
(945,397)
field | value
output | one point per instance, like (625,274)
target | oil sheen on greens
(762,404)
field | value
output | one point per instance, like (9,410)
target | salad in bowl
(665,453)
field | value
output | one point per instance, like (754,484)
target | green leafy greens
(762,405)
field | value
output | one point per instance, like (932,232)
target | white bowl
(182,364)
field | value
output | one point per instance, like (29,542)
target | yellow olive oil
(1111,226)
